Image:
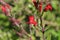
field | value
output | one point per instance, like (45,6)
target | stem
(30,26)
(43,37)
(30,38)
(43,31)
(41,19)
(42,28)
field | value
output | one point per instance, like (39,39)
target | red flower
(5,10)
(35,4)
(48,7)
(32,21)
(40,6)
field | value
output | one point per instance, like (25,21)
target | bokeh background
(23,8)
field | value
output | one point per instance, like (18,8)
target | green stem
(41,19)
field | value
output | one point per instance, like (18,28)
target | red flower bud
(48,7)
(35,4)
(40,6)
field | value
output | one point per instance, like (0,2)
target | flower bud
(48,7)
(35,4)
(40,6)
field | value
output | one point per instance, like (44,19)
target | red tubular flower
(40,6)
(32,21)
(48,7)
(35,4)
(5,10)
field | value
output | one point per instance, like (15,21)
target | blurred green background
(22,8)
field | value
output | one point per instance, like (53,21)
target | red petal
(50,7)
(35,23)
(31,18)
(46,8)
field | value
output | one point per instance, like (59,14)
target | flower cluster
(6,9)
(38,6)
